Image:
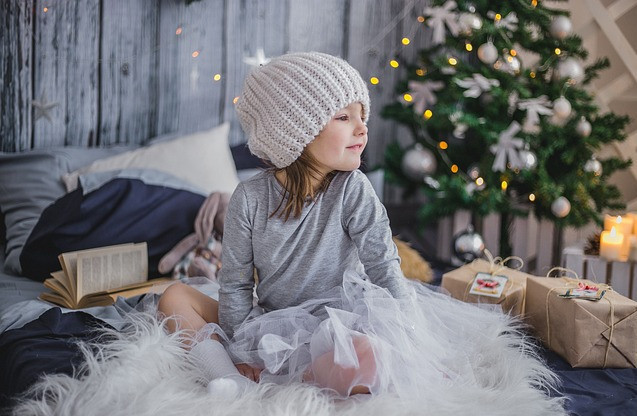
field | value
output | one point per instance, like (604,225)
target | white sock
(213,360)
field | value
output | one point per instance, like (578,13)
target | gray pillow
(31,181)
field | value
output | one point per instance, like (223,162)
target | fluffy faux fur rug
(144,371)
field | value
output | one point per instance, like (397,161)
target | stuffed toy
(199,253)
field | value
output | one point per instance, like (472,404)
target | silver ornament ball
(594,166)
(561,207)
(488,53)
(561,27)
(418,162)
(571,69)
(473,172)
(583,127)
(528,159)
(468,245)
(562,108)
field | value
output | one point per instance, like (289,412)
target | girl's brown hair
(298,189)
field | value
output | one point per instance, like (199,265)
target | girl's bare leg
(189,309)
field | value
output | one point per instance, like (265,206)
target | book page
(112,267)
(69,265)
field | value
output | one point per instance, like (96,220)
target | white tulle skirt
(360,335)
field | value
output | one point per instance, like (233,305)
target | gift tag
(587,294)
(486,284)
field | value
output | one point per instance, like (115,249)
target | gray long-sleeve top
(301,258)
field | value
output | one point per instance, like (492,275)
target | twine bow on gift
(496,265)
(577,283)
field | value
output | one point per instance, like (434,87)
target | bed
(169,181)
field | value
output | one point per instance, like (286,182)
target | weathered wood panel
(15,75)
(128,68)
(190,100)
(318,26)
(66,51)
(251,25)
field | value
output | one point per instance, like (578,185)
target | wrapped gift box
(580,330)
(458,282)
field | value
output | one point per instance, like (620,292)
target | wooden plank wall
(118,71)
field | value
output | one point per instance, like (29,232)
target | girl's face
(341,142)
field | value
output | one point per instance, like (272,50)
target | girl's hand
(250,372)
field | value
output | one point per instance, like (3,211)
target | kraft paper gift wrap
(458,283)
(585,333)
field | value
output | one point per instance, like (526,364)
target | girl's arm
(365,220)
(236,277)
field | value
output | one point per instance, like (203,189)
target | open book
(96,277)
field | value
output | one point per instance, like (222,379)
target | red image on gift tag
(485,284)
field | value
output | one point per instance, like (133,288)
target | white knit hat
(286,103)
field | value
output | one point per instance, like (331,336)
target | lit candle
(623,225)
(632,253)
(610,244)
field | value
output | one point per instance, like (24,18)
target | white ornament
(561,27)
(507,148)
(594,166)
(528,159)
(583,127)
(570,68)
(477,85)
(418,163)
(509,22)
(438,17)
(534,107)
(257,60)
(423,93)
(562,108)
(469,22)
(561,207)
(459,128)
(488,53)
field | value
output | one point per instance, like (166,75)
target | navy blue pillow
(121,211)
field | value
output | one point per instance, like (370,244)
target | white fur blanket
(144,371)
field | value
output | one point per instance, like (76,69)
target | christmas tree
(501,118)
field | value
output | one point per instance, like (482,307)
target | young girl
(333,307)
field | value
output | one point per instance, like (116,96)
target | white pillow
(204,159)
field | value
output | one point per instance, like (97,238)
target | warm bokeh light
(558,51)
(498,16)
(420,72)
(468,47)
(195,54)
(178,31)
(443,145)
(235,100)
(428,114)
(531,197)
(532,74)
(452,61)
(479,181)
(217,77)
(454,168)
(393,63)
(504,185)
(421,19)
(405,41)
(407,97)
(374,80)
